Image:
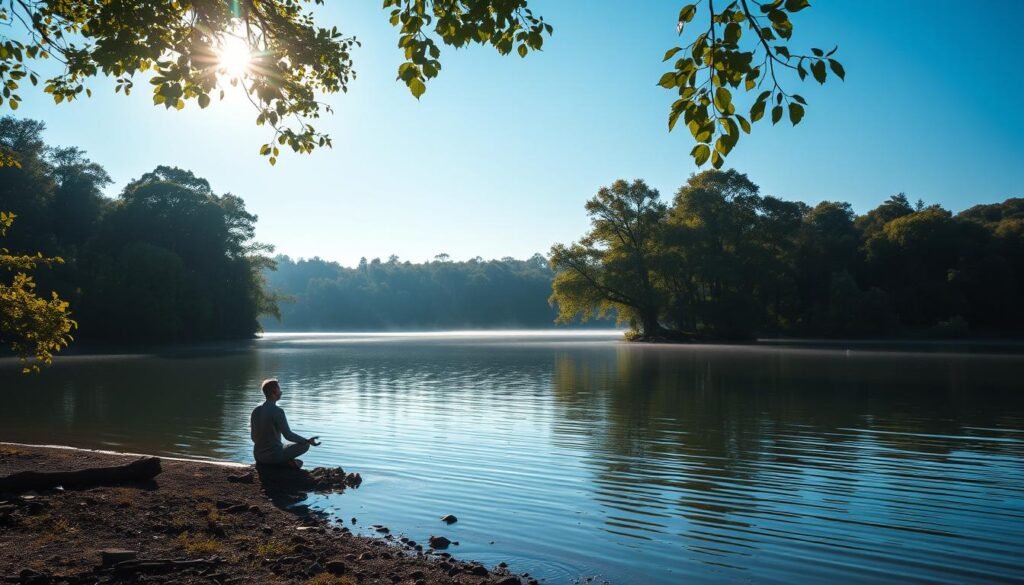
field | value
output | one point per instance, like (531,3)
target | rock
(336,567)
(33,577)
(509,581)
(354,520)
(421,582)
(449,519)
(112,556)
(241,478)
(381,529)
(479,570)
(314,569)
(439,542)
(417,575)
(366,556)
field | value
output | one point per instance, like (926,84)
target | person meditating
(267,424)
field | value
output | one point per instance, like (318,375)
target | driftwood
(163,565)
(141,470)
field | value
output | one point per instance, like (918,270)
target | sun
(233,57)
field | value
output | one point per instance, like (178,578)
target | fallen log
(163,565)
(140,470)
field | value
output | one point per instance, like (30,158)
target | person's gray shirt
(268,423)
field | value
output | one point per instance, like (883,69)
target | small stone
(479,570)
(439,542)
(366,556)
(241,478)
(509,581)
(336,567)
(314,569)
(449,519)
(417,575)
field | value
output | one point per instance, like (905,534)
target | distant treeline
(168,260)
(376,295)
(725,262)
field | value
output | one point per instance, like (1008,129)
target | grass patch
(198,544)
(272,549)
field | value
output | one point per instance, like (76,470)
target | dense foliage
(168,260)
(32,326)
(185,47)
(725,262)
(378,295)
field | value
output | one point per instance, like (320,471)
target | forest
(443,294)
(723,261)
(168,260)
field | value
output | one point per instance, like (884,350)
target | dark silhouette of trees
(726,262)
(442,294)
(168,260)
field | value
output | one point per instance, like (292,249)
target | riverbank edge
(193,510)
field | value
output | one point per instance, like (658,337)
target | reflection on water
(578,455)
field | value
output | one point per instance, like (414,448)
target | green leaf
(716,160)
(523,50)
(732,33)
(796,113)
(701,153)
(671,53)
(818,52)
(757,111)
(837,68)
(417,88)
(204,100)
(796,5)
(776,114)
(672,118)
(744,124)
(668,80)
(818,69)
(687,13)
(782,50)
(723,99)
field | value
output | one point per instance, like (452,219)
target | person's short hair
(268,385)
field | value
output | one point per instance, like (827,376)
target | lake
(576,455)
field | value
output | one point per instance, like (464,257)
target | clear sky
(500,154)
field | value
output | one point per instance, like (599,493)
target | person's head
(271,389)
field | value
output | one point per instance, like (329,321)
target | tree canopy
(184,46)
(727,262)
(168,260)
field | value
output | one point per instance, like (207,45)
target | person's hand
(314,441)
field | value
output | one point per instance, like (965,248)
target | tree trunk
(141,470)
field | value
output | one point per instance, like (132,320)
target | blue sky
(500,154)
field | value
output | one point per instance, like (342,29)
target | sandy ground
(215,530)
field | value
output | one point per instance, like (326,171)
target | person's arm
(282,425)
(252,427)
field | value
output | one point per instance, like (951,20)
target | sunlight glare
(233,57)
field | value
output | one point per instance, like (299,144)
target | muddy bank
(200,522)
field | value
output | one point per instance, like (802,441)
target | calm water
(577,455)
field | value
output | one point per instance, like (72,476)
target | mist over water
(573,455)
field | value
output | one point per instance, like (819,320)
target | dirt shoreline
(229,523)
